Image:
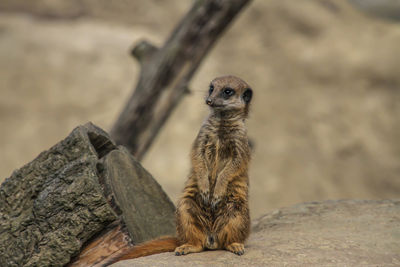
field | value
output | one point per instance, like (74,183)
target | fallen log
(78,203)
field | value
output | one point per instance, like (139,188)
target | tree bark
(83,199)
(166,72)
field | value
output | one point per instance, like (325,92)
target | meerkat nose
(209,102)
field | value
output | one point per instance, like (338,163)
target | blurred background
(325,120)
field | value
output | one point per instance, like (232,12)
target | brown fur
(166,244)
(213,211)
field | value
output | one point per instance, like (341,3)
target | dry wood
(103,246)
(166,72)
(84,198)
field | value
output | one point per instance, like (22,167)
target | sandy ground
(326,114)
(329,233)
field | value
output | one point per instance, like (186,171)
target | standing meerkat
(213,212)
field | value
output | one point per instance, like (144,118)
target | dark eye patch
(247,95)
(211,89)
(228,92)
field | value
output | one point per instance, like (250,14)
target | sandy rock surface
(330,233)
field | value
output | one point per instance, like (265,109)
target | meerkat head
(229,93)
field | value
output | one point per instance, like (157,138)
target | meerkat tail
(165,244)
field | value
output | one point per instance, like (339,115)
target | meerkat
(213,211)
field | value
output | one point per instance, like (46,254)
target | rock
(52,207)
(389,9)
(329,233)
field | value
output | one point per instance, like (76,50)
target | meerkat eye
(228,92)
(211,89)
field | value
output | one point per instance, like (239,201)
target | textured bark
(71,196)
(136,188)
(166,72)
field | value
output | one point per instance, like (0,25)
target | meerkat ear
(247,95)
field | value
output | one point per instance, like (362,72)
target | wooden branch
(85,198)
(166,72)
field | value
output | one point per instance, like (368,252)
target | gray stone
(330,233)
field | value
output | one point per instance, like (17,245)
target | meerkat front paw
(215,201)
(186,249)
(205,197)
(237,248)
(204,192)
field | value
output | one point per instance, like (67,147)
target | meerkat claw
(215,203)
(236,248)
(205,197)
